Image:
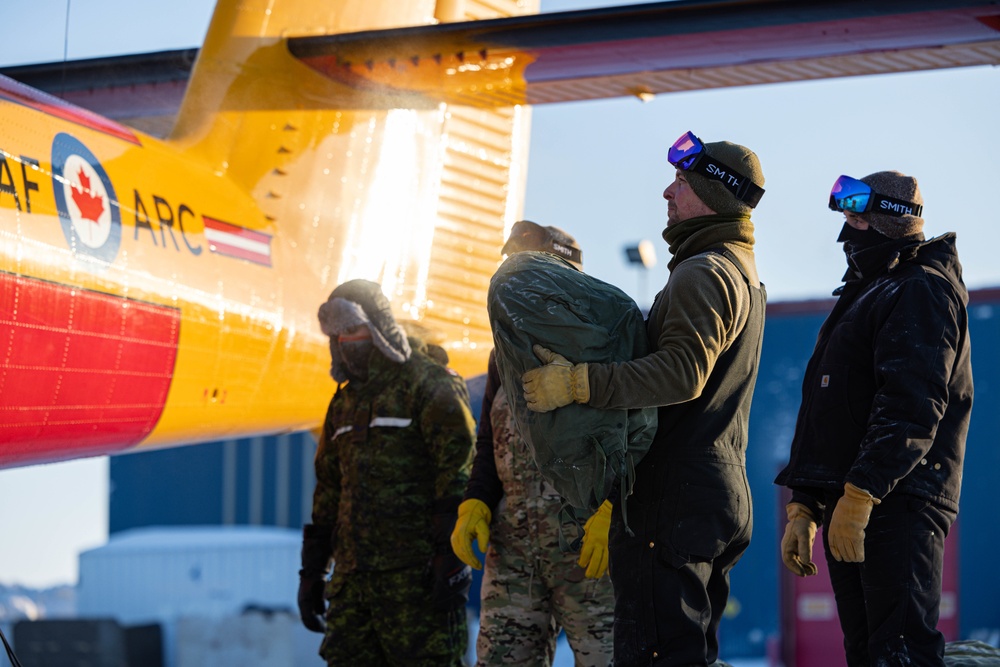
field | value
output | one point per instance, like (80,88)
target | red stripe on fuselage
(81,373)
(236,230)
(19,93)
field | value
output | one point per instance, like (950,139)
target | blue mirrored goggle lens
(684,151)
(850,194)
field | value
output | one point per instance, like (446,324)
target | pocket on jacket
(836,396)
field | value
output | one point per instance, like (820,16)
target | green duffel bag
(536,297)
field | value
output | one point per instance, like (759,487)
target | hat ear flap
(336,362)
(393,344)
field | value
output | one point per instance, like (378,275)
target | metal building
(251,482)
(221,594)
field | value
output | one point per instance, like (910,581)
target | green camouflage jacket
(394,450)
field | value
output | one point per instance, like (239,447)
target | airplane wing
(646,49)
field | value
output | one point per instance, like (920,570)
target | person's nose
(668,193)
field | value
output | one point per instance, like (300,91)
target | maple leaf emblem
(90,206)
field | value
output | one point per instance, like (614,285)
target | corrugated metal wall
(253,481)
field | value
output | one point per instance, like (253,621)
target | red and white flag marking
(232,240)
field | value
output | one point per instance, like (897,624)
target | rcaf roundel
(88,207)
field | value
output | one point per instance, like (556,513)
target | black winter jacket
(484,480)
(887,394)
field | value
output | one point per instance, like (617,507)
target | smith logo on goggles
(850,194)
(688,154)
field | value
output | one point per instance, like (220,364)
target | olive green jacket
(696,317)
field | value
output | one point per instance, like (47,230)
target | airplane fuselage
(140,298)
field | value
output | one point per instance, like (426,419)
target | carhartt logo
(824,381)
(898,208)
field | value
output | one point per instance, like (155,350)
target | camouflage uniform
(392,447)
(531,586)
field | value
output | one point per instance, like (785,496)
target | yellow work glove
(594,553)
(846,532)
(555,384)
(473,524)
(797,544)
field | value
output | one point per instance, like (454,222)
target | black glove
(452,581)
(316,553)
(312,606)
(452,577)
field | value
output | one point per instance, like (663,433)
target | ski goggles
(850,194)
(688,154)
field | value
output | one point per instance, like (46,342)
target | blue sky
(598,170)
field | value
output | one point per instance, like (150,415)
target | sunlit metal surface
(378,151)
(655,48)
(158,293)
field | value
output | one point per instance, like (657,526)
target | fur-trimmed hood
(358,302)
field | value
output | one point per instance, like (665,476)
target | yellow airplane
(156,293)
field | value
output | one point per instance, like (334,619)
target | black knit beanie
(712,192)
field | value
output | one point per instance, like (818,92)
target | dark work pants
(668,607)
(888,605)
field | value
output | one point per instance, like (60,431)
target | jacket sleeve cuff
(447,505)
(809,500)
(873,488)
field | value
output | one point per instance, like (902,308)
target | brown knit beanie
(898,186)
(712,192)
(528,235)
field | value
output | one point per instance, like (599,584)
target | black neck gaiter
(856,240)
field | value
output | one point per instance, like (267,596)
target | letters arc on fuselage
(91,210)
(92,214)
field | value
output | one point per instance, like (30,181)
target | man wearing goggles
(879,443)
(689,154)
(689,515)
(850,194)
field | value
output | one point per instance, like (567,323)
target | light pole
(643,256)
